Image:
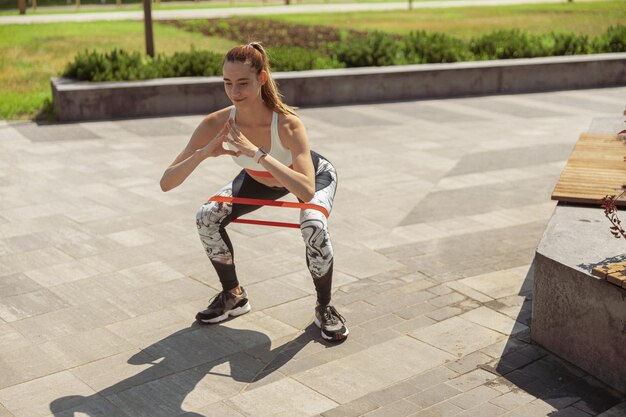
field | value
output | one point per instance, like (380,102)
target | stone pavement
(212,13)
(439,209)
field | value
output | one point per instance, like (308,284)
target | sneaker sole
(234,312)
(337,336)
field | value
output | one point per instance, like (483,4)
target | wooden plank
(595,168)
(613,273)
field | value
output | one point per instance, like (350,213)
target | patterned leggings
(213,217)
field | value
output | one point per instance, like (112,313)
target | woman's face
(241,82)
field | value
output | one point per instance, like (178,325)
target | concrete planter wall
(576,315)
(76,101)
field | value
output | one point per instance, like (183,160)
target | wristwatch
(260,153)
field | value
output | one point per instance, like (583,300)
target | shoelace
(217,300)
(332,316)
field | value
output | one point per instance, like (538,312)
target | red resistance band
(257,202)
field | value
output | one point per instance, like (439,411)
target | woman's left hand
(238,139)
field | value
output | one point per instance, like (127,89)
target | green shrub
(375,49)
(189,64)
(567,44)
(613,40)
(110,66)
(433,47)
(506,44)
(119,65)
(300,59)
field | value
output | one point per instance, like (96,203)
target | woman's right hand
(216,146)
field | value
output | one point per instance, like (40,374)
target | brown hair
(254,54)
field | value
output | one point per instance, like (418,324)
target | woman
(266,138)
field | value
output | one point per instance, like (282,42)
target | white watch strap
(260,153)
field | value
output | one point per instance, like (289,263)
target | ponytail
(255,55)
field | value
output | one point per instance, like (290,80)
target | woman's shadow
(178,363)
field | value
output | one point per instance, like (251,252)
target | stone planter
(77,101)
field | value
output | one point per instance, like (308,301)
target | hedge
(352,50)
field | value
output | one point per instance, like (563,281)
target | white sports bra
(277,150)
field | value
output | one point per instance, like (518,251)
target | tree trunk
(21,4)
(147,18)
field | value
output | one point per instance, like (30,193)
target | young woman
(267,139)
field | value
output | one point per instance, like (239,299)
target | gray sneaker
(224,304)
(331,323)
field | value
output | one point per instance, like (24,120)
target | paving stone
(570,412)
(354,408)
(381,323)
(35,259)
(498,284)
(28,363)
(30,304)
(344,380)
(432,377)
(457,336)
(468,362)
(468,291)
(288,398)
(35,398)
(513,399)
(434,395)
(120,372)
(15,284)
(616,411)
(444,313)
(220,409)
(399,408)
(475,397)
(162,397)
(97,406)
(68,321)
(4,412)
(532,410)
(483,410)
(270,293)
(80,348)
(407,326)
(444,409)
(297,313)
(493,320)
(471,380)
(10,339)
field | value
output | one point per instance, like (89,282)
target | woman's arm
(199,148)
(301,179)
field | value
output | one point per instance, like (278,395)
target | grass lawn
(590,18)
(31,54)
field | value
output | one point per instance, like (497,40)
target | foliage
(613,40)
(109,66)
(189,64)
(507,44)
(421,47)
(121,65)
(610,212)
(340,49)
(563,43)
(375,49)
(300,59)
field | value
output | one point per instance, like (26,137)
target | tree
(147,19)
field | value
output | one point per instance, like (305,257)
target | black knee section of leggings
(227,275)
(323,286)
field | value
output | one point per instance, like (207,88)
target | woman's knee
(211,215)
(315,233)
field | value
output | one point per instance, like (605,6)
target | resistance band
(257,202)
